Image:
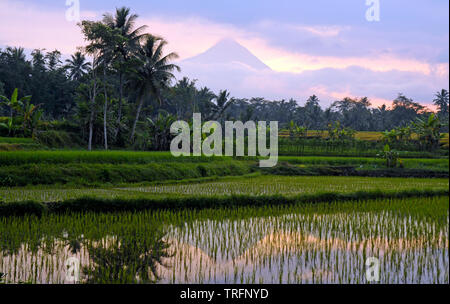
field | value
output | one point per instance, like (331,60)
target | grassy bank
(99,174)
(98,157)
(102,205)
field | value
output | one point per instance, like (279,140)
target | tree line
(120,89)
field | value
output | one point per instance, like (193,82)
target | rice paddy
(138,217)
(323,243)
(249,185)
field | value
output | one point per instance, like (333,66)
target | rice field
(249,185)
(322,243)
(281,229)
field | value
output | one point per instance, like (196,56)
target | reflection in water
(294,248)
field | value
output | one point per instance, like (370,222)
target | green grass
(84,168)
(130,157)
(89,174)
(366,162)
(98,157)
(251,185)
(16,140)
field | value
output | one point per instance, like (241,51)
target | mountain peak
(228,51)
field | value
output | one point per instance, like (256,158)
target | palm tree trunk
(138,112)
(105,111)
(91,117)
(119,111)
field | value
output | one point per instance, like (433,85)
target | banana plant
(297,131)
(10,126)
(31,116)
(160,129)
(429,131)
(391,156)
(14,103)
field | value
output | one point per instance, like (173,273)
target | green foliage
(297,131)
(98,174)
(429,131)
(58,139)
(337,131)
(365,162)
(100,205)
(397,135)
(100,157)
(416,228)
(391,156)
(29,114)
(15,140)
(131,257)
(160,131)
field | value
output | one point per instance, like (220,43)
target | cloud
(334,60)
(30,27)
(329,84)
(192,36)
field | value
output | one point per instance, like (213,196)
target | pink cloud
(28,26)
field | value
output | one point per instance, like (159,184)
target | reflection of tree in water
(132,257)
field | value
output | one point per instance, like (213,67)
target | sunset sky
(327,48)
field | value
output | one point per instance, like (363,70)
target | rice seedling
(257,185)
(310,243)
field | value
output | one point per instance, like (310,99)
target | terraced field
(323,243)
(249,185)
(219,220)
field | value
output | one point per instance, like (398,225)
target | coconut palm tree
(77,66)
(16,53)
(123,22)
(441,101)
(223,101)
(154,73)
(160,130)
(103,41)
(429,131)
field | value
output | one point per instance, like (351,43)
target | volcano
(227,52)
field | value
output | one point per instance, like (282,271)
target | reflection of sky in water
(292,248)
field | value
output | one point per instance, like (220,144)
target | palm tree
(53,60)
(154,74)
(124,24)
(77,66)
(429,131)
(223,101)
(205,97)
(16,53)
(441,101)
(38,59)
(102,40)
(160,129)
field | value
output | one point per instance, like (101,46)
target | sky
(322,47)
